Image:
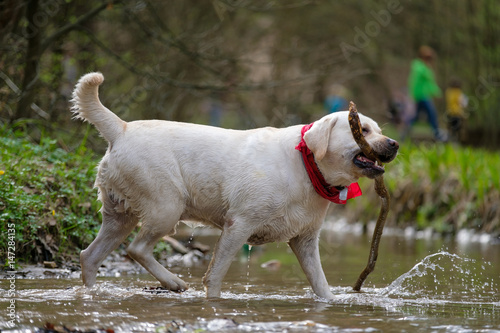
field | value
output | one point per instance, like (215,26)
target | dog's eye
(366,130)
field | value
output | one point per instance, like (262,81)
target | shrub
(48,194)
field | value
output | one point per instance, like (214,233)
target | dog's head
(337,154)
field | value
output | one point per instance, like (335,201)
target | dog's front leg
(229,243)
(306,249)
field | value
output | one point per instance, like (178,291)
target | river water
(427,285)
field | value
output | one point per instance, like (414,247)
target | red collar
(324,189)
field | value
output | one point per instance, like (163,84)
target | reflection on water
(428,285)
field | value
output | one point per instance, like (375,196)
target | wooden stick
(381,190)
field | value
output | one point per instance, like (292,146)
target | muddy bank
(118,263)
(115,264)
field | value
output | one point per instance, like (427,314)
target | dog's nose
(393,144)
(390,151)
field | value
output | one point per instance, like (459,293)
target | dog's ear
(318,136)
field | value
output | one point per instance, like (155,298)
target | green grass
(48,194)
(444,186)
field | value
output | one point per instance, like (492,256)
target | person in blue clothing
(423,87)
(336,99)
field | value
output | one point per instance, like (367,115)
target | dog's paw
(176,285)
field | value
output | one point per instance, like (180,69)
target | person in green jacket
(423,87)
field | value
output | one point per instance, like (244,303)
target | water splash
(190,240)
(247,286)
(444,275)
(440,281)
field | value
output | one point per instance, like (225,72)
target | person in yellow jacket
(456,102)
(423,87)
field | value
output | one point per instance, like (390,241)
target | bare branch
(73,26)
(18,92)
(172,40)
(162,78)
(270,6)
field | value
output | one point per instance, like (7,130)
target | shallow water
(418,285)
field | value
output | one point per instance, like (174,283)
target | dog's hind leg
(116,226)
(141,249)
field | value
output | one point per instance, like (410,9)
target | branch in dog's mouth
(363,162)
(357,133)
(368,159)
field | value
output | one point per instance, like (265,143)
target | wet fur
(250,184)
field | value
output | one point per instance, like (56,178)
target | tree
(267,62)
(37,18)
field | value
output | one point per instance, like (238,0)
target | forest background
(266,62)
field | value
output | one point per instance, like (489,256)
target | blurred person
(336,99)
(423,87)
(213,106)
(402,109)
(456,102)
(215,112)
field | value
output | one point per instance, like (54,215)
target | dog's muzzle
(386,152)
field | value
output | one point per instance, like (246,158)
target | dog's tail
(87,106)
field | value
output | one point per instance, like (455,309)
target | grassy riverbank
(442,186)
(48,193)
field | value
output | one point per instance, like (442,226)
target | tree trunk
(33,35)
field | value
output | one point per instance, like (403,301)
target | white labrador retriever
(251,184)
